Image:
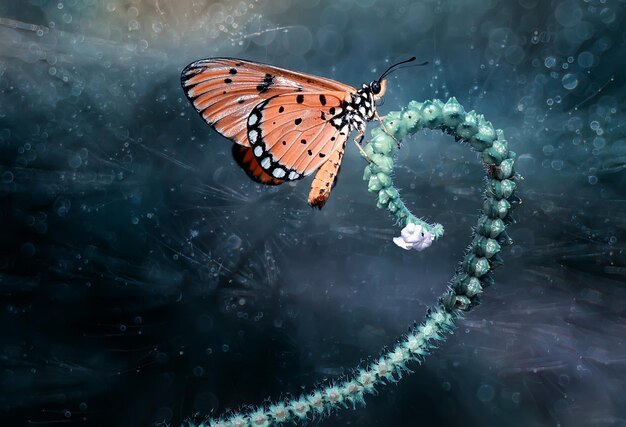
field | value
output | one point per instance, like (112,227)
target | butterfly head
(378,88)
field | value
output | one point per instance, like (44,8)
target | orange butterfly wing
(225,90)
(325,179)
(246,161)
(292,135)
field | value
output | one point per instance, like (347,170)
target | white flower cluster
(414,236)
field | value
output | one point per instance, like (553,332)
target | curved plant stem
(462,293)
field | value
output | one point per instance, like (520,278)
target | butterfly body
(286,125)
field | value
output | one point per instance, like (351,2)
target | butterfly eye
(375,86)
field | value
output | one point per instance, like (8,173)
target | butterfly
(285,124)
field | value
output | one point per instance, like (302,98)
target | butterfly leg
(382,125)
(358,143)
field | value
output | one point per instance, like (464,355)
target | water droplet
(485,393)
(75,162)
(7,177)
(568,13)
(28,249)
(233,242)
(570,81)
(549,62)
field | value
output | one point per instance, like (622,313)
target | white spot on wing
(253,119)
(265,164)
(253,135)
(278,172)
(294,175)
(258,151)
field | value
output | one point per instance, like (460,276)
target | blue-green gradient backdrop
(145,278)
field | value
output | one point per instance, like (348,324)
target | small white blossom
(414,236)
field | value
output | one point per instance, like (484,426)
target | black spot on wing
(281,109)
(232,71)
(300,99)
(227,80)
(268,81)
(322,99)
(297,121)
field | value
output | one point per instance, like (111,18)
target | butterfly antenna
(390,69)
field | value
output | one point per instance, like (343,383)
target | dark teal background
(144,278)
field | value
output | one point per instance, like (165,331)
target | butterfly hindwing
(246,161)
(225,90)
(292,135)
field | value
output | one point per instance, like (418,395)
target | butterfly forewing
(294,134)
(225,90)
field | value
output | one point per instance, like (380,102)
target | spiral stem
(464,290)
